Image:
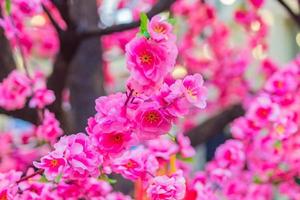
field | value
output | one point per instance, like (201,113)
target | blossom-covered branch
(160,6)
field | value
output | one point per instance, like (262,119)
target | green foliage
(104,177)
(143,26)
(58,178)
(256,179)
(278,144)
(172,21)
(172,137)
(8,6)
(187,160)
(297,180)
(43,179)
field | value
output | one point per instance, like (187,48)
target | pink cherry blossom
(110,142)
(14,91)
(231,155)
(194,90)
(42,98)
(281,83)
(257,3)
(151,121)
(186,150)
(170,98)
(149,62)
(8,186)
(162,147)
(110,112)
(159,29)
(126,136)
(263,110)
(28,8)
(284,127)
(50,129)
(135,164)
(80,155)
(53,165)
(167,187)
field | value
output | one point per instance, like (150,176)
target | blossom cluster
(264,150)
(18,87)
(125,134)
(29,27)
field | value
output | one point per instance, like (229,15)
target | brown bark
(214,125)
(7,63)
(294,16)
(86,77)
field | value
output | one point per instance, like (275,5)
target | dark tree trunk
(86,77)
(7,63)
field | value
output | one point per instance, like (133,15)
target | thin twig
(53,21)
(63,8)
(295,16)
(24,63)
(38,172)
(128,97)
(25,66)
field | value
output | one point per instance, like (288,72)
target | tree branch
(159,7)
(295,16)
(27,114)
(64,11)
(214,125)
(54,23)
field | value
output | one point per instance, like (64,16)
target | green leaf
(104,177)
(172,137)
(188,160)
(43,179)
(58,178)
(172,21)
(8,6)
(112,181)
(256,179)
(278,144)
(297,180)
(143,25)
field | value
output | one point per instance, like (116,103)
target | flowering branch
(161,6)
(38,172)
(128,97)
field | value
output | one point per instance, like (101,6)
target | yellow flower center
(280,129)
(159,29)
(54,163)
(146,58)
(131,164)
(152,117)
(191,93)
